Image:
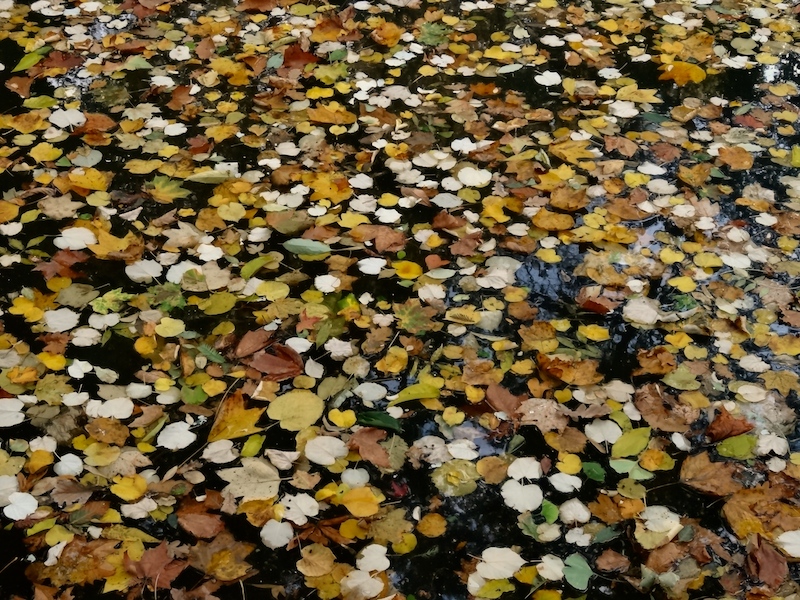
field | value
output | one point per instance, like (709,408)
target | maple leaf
(682,73)
(415,318)
(165,190)
(716,478)
(156,569)
(222,558)
(60,264)
(234,420)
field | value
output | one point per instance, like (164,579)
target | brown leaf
(252,341)
(575,372)
(724,426)
(156,567)
(366,440)
(661,411)
(611,561)
(281,363)
(499,398)
(765,563)
(736,157)
(223,558)
(716,478)
(108,431)
(194,517)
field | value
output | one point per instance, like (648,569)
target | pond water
(481,233)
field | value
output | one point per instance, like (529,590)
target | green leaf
(738,446)
(549,511)
(165,190)
(252,267)
(301,246)
(418,391)
(594,471)
(40,102)
(31,59)
(211,354)
(606,535)
(682,379)
(377,418)
(631,442)
(577,572)
(193,395)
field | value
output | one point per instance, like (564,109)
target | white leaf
(176,436)
(601,430)
(362,181)
(551,568)
(358,585)
(70,464)
(8,485)
(473,177)
(75,238)
(21,506)
(70,117)
(373,558)
(119,408)
(499,563)
(10,414)
(521,497)
(220,452)
(751,393)
(60,320)
(789,541)
(325,450)
(139,510)
(565,483)
(144,271)
(525,467)
(548,78)
(276,534)
(282,459)
(659,519)
(371,266)
(256,479)
(574,511)
(327,284)
(298,508)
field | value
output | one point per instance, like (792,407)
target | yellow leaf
(569,463)
(683,283)
(90,179)
(214,387)
(138,166)
(363,501)
(548,255)
(406,544)
(145,345)
(54,362)
(8,211)
(596,333)
(343,419)
(395,360)
(220,133)
(169,327)
(234,420)
(129,488)
(682,73)
(332,113)
(669,256)
(296,409)
(432,525)
(406,269)
(273,290)
(44,152)
(316,92)
(572,151)
(632,93)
